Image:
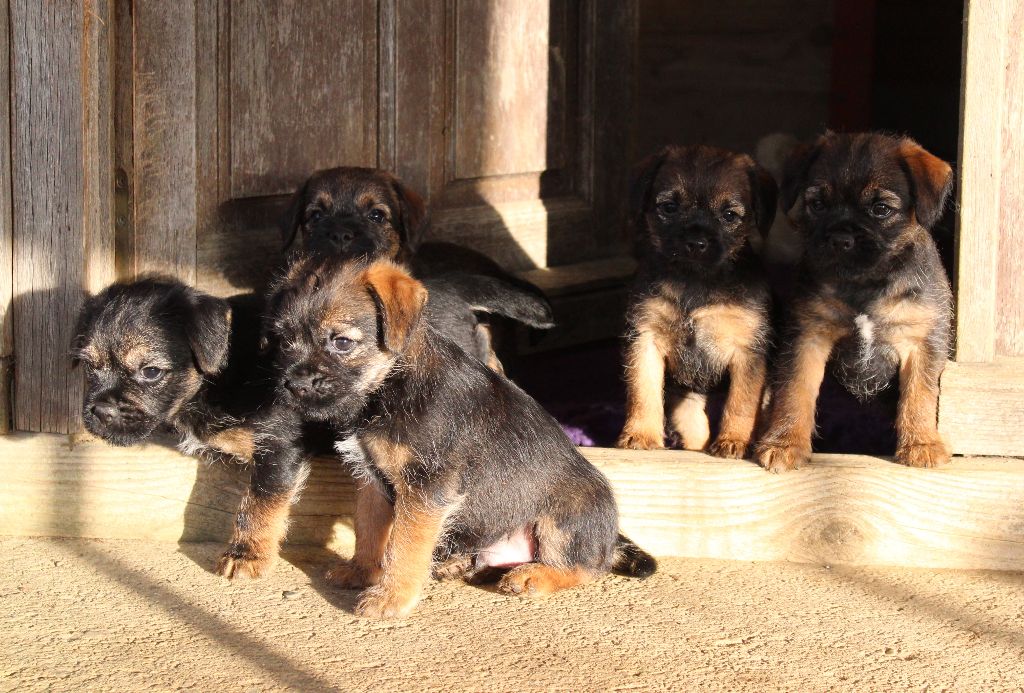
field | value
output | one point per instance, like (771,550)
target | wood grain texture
(6,224)
(1010,290)
(165,131)
(981,406)
(49,214)
(303,90)
(840,509)
(980,166)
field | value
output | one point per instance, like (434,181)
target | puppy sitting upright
(874,299)
(700,303)
(156,353)
(368,214)
(457,464)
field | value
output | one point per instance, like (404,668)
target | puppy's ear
(640,188)
(765,193)
(413,219)
(794,172)
(86,317)
(400,300)
(291,219)
(931,180)
(208,329)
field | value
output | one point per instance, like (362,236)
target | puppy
(456,464)
(873,300)
(369,214)
(160,354)
(700,302)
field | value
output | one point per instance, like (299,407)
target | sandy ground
(130,616)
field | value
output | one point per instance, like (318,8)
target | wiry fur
(873,300)
(455,458)
(700,302)
(368,214)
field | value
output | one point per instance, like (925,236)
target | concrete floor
(130,616)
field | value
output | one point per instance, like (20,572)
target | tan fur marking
(552,541)
(373,520)
(407,559)
(266,529)
(541,580)
(236,441)
(390,457)
(690,421)
(728,327)
(918,441)
(739,419)
(645,395)
(787,444)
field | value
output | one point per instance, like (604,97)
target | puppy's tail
(508,297)
(632,561)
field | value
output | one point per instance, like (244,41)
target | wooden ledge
(840,509)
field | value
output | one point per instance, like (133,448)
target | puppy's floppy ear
(765,194)
(794,172)
(291,219)
(413,218)
(86,317)
(640,187)
(931,180)
(400,300)
(208,329)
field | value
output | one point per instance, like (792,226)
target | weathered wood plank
(980,166)
(6,224)
(1010,292)
(840,509)
(48,195)
(981,407)
(165,133)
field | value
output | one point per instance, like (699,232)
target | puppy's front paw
(239,563)
(377,602)
(641,440)
(733,448)
(782,458)
(924,454)
(349,576)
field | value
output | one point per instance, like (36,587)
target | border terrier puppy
(158,353)
(873,300)
(457,465)
(700,303)
(369,214)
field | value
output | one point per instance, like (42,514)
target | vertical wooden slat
(6,230)
(48,209)
(166,183)
(1010,317)
(981,148)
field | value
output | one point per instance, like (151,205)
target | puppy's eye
(880,210)
(377,216)
(668,208)
(816,205)
(343,344)
(152,373)
(730,216)
(314,215)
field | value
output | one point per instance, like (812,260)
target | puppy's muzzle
(106,413)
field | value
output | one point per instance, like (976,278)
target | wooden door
(488,107)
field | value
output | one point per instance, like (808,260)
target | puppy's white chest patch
(865,336)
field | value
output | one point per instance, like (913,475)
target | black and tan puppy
(457,464)
(365,213)
(873,299)
(700,303)
(160,354)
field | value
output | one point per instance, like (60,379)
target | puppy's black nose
(105,412)
(342,238)
(696,246)
(842,242)
(300,386)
